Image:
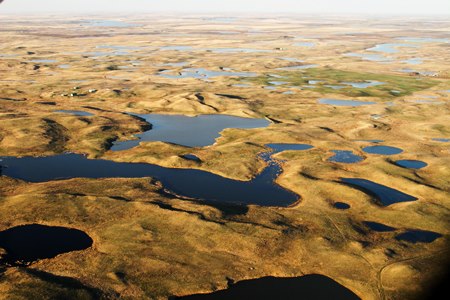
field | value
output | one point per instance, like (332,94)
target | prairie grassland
(151,246)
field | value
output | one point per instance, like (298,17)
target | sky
(396,7)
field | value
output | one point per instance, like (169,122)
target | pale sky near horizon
(406,7)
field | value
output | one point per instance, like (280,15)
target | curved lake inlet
(384,194)
(197,131)
(418,236)
(382,150)
(28,243)
(343,156)
(337,102)
(304,287)
(411,164)
(189,183)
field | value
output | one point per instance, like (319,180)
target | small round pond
(341,205)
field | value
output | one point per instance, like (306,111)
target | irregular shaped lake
(384,194)
(383,150)
(305,287)
(197,131)
(411,164)
(337,102)
(28,243)
(190,183)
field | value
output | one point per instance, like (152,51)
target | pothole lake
(27,243)
(196,131)
(188,183)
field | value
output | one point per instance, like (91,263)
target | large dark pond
(28,243)
(309,287)
(385,195)
(418,236)
(190,183)
(197,131)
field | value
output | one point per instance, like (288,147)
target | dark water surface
(191,183)
(197,131)
(341,205)
(411,164)
(309,287)
(384,194)
(28,243)
(383,150)
(418,236)
(378,227)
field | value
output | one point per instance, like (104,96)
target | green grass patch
(394,85)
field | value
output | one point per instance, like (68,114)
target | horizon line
(227,13)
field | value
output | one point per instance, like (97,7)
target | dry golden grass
(148,246)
